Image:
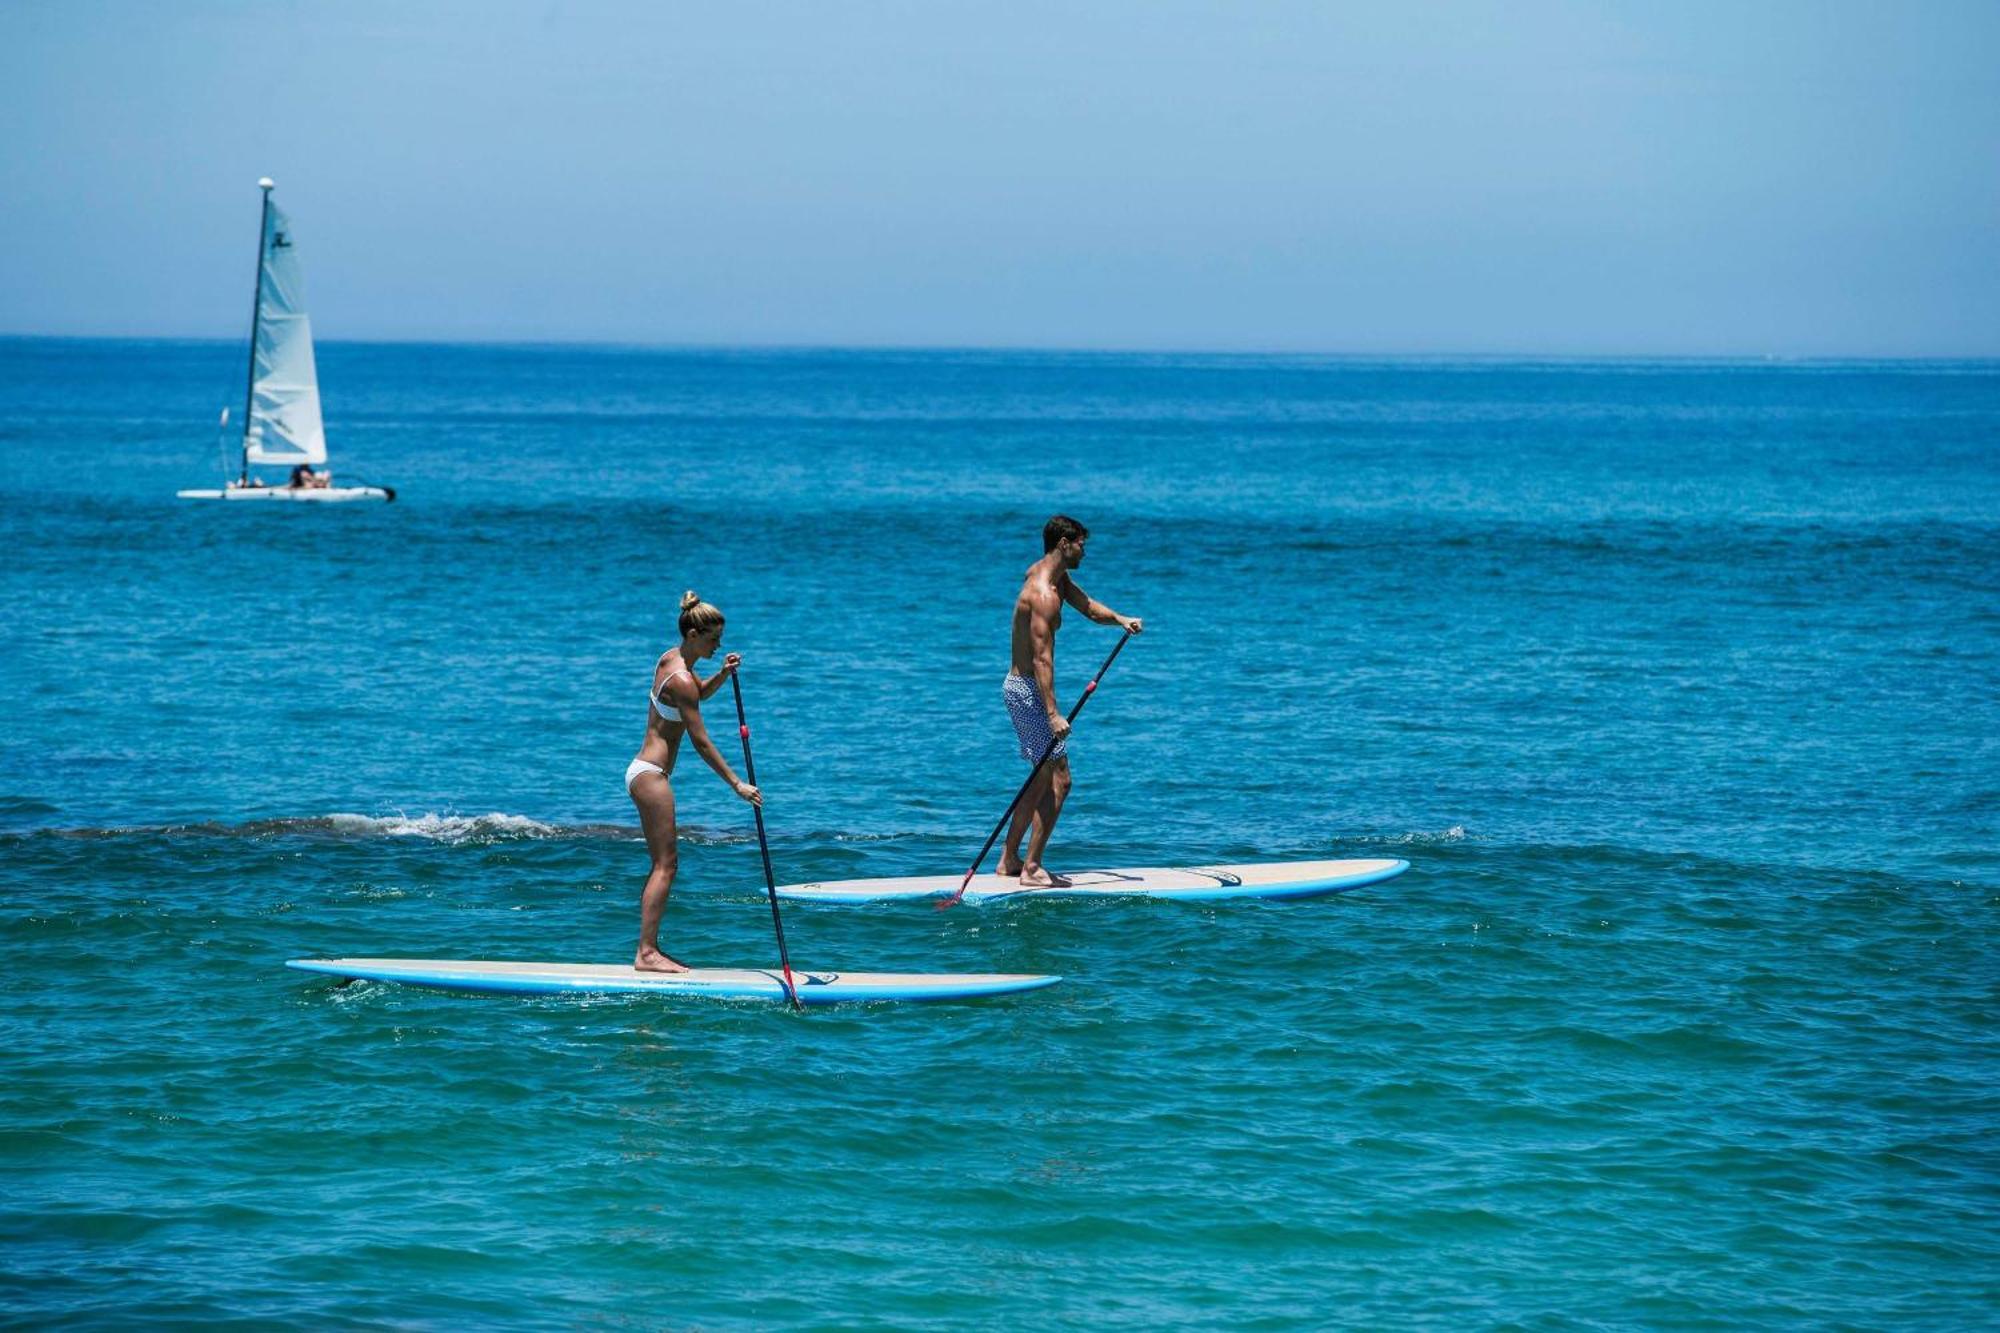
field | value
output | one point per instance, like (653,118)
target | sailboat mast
(256,310)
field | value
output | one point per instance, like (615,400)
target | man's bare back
(1037,614)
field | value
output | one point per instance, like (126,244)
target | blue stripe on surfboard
(474,976)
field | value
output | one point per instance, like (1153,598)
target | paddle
(764,843)
(1034,773)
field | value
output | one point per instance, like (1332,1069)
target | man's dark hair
(1061,528)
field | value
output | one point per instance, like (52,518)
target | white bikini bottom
(638,766)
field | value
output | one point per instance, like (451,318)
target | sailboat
(281,422)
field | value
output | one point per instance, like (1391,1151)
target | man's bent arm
(1091,608)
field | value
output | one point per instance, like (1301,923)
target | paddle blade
(946,904)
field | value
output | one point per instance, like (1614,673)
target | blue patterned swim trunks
(1031,719)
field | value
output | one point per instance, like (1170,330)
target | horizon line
(1039,349)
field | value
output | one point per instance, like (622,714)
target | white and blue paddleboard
(1269,879)
(713,983)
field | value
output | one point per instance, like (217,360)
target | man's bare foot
(652,960)
(1040,877)
(1005,873)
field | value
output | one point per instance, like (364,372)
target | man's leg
(1032,870)
(1028,810)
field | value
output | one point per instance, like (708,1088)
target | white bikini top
(667,712)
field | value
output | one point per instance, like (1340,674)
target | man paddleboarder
(1030,692)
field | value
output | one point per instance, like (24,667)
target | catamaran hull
(320,495)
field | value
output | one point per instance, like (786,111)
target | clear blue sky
(1769,177)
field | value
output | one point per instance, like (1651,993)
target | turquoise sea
(1678,683)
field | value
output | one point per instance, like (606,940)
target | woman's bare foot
(1040,877)
(652,960)
(1006,873)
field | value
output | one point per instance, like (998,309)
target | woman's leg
(654,796)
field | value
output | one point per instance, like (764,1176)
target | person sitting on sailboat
(304,478)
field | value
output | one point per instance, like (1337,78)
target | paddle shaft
(764,846)
(1036,771)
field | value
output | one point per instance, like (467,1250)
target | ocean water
(1678,684)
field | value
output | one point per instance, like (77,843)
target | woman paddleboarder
(674,711)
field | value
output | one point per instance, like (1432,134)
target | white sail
(284,425)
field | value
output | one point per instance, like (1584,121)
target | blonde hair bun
(697,616)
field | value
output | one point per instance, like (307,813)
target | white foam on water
(1456,833)
(496,826)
